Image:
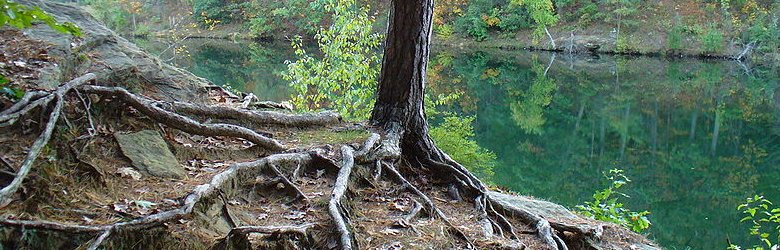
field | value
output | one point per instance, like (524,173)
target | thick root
(6,194)
(258,117)
(183,123)
(432,209)
(335,208)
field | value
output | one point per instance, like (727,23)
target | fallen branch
(183,123)
(335,209)
(199,193)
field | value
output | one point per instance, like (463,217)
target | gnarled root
(183,123)
(335,208)
(199,193)
(433,210)
(258,117)
(58,96)
(542,226)
(297,230)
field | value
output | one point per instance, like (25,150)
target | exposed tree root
(149,108)
(287,182)
(211,189)
(335,208)
(542,226)
(432,209)
(26,99)
(258,117)
(6,194)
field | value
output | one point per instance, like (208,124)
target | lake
(695,137)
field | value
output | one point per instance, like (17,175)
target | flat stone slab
(150,154)
(554,213)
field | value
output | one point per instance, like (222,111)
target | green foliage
(528,111)
(605,207)
(110,13)
(712,40)
(209,10)
(304,16)
(674,38)
(765,32)
(22,16)
(444,30)
(765,222)
(542,13)
(472,23)
(8,91)
(455,135)
(344,77)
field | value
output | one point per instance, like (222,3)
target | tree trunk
(399,105)
(399,108)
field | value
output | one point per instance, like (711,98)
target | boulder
(116,61)
(150,154)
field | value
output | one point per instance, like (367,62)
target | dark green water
(696,137)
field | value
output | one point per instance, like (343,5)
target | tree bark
(399,108)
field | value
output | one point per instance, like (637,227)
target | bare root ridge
(335,208)
(183,123)
(433,210)
(258,117)
(6,194)
(197,195)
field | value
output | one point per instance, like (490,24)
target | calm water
(696,137)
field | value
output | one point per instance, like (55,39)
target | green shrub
(712,41)
(455,135)
(764,220)
(587,13)
(514,18)
(444,31)
(208,11)
(674,38)
(472,23)
(344,77)
(605,207)
(110,13)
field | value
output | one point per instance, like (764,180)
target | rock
(114,59)
(554,213)
(150,154)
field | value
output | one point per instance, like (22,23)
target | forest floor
(87,165)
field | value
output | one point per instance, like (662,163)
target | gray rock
(552,212)
(150,154)
(112,58)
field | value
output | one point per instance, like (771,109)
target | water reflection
(696,137)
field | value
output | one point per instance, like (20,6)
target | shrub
(455,135)
(605,207)
(764,220)
(208,11)
(712,40)
(443,30)
(472,23)
(344,77)
(674,38)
